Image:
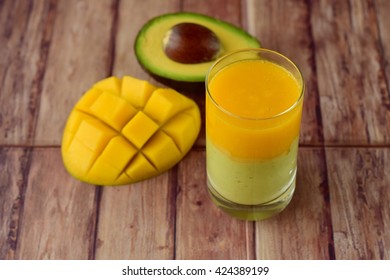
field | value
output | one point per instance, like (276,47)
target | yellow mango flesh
(126,130)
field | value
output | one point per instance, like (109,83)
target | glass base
(252,212)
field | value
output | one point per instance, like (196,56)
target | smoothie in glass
(253,114)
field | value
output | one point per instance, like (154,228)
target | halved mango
(125,130)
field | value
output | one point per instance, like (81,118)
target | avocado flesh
(150,52)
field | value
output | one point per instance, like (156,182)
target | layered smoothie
(253,113)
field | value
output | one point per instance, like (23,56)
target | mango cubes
(126,130)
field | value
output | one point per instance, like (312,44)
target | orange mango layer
(125,130)
(249,94)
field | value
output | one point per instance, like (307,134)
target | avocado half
(149,49)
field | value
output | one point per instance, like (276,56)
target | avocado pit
(191,43)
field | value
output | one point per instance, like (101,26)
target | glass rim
(290,108)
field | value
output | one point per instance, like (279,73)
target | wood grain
(58,220)
(296,42)
(359,190)
(350,78)
(202,230)
(304,229)
(13,168)
(79,56)
(382,9)
(230,11)
(24,36)
(137,221)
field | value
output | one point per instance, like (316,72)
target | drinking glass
(254,104)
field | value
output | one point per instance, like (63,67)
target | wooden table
(52,51)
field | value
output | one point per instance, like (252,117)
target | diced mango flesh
(125,130)
(118,153)
(165,103)
(113,110)
(141,168)
(94,134)
(111,84)
(161,150)
(140,129)
(181,128)
(79,155)
(135,91)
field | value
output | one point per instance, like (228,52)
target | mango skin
(122,131)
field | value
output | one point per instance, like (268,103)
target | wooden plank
(137,221)
(24,34)
(294,39)
(227,10)
(13,168)
(360,201)
(79,55)
(382,8)
(58,220)
(350,78)
(202,230)
(303,230)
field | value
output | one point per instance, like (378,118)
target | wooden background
(52,51)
